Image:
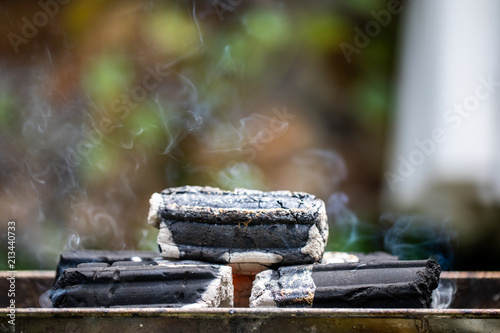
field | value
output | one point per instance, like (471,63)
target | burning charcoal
(73,259)
(242,289)
(141,285)
(389,284)
(250,230)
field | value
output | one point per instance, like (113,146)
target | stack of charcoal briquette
(243,247)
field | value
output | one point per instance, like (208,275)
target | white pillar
(450,50)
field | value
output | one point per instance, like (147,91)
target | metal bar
(245,320)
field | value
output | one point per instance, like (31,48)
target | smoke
(408,237)
(343,217)
(327,170)
(72,238)
(322,170)
(348,232)
(417,237)
(63,198)
(442,297)
(239,174)
(44,299)
(182,117)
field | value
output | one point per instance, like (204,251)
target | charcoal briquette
(164,284)
(376,284)
(248,229)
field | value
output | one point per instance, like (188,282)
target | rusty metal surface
(475,289)
(29,286)
(251,320)
(470,275)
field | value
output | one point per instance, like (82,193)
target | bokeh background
(103,103)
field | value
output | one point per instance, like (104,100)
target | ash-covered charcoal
(341,257)
(250,230)
(75,258)
(390,284)
(338,257)
(190,285)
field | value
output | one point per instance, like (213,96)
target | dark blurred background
(103,103)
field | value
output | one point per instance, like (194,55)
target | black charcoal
(378,284)
(75,258)
(186,285)
(250,230)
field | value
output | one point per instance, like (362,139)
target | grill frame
(483,316)
(262,320)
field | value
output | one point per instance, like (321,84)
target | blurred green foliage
(7,103)
(107,77)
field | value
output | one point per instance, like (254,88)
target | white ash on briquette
(144,284)
(374,284)
(247,229)
(330,257)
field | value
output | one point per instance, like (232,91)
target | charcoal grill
(475,308)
